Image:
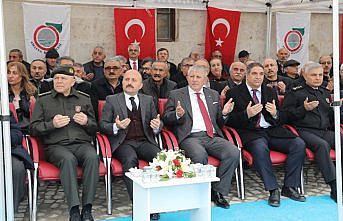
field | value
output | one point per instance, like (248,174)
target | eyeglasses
(133,50)
(326,62)
(158,69)
(187,65)
(146,68)
(112,68)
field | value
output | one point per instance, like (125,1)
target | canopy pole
(269,28)
(6,160)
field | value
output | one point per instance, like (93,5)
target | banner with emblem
(221,33)
(46,27)
(293,33)
(135,26)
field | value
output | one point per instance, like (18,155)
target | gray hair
(236,62)
(119,58)
(310,66)
(134,45)
(79,65)
(166,65)
(198,69)
(68,58)
(113,59)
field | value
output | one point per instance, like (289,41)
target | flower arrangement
(171,164)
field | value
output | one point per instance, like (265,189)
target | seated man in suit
(130,121)
(195,114)
(309,107)
(134,51)
(258,122)
(158,85)
(64,121)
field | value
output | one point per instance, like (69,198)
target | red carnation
(179,173)
(177,162)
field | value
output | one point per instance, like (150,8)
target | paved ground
(53,207)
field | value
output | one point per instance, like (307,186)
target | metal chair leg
(109,187)
(302,189)
(35,190)
(29,180)
(237,183)
(241,174)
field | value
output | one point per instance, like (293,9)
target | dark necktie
(205,116)
(133,103)
(256,101)
(134,65)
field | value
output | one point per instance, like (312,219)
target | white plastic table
(175,194)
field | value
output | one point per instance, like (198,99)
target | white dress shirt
(198,120)
(263,122)
(131,63)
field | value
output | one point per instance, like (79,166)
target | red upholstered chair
(45,171)
(28,172)
(172,142)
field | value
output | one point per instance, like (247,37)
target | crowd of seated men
(66,96)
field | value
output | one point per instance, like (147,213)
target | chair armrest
(292,129)
(167,140)
(228,135)
(236,136)
(101,144)
(34,149)
(172,138)
(107,145)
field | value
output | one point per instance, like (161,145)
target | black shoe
(87,215)
(75,217)
(333,195)
(219,200)
(293,194)
(274,198)
(154,216)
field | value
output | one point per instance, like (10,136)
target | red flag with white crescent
(221,33)
(135,26)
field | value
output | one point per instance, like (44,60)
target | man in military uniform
(309,108)
(64,120)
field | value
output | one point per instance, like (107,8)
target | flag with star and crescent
(221,33)
(135,26)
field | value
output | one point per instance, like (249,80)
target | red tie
(205,116)
(256,101)
(134,65)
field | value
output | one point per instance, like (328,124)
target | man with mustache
(158,86)
(258,121)
(279,83)
(130,120)
(108,85)
(37,72)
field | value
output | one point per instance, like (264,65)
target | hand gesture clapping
(254,110)
(228,107)
(60,121)
(80,118)
(271,108)
(122,124)
(310,105)
(179,110)
(156,122)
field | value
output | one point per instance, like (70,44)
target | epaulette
(297,88)
(43,94)
(83,93)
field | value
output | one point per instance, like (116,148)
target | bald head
(132,82)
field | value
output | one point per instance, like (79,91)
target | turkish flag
(221,33)
(135,26)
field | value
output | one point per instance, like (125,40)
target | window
(165,24)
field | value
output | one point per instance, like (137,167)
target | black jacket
(246,127)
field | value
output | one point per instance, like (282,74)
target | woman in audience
(21,92)
(216,76)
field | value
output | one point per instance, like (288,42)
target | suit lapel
(209,103)
(142,105)
(187,100)
(245,93)
(122,104)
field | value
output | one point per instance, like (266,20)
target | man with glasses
(158,86)
(326,62)
(146,68)
(134,52)
(180,77)
(108,85)
(95,68)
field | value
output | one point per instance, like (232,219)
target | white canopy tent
(262,6)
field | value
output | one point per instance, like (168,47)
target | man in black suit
(108,85)
(133,61)
(95,68)
(180,77)
(196,116)
(158,86)
(38,71)
(310,111)
(258,121)
(135,122)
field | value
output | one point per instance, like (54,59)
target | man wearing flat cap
(291,69)
(51,57)
(63,119)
